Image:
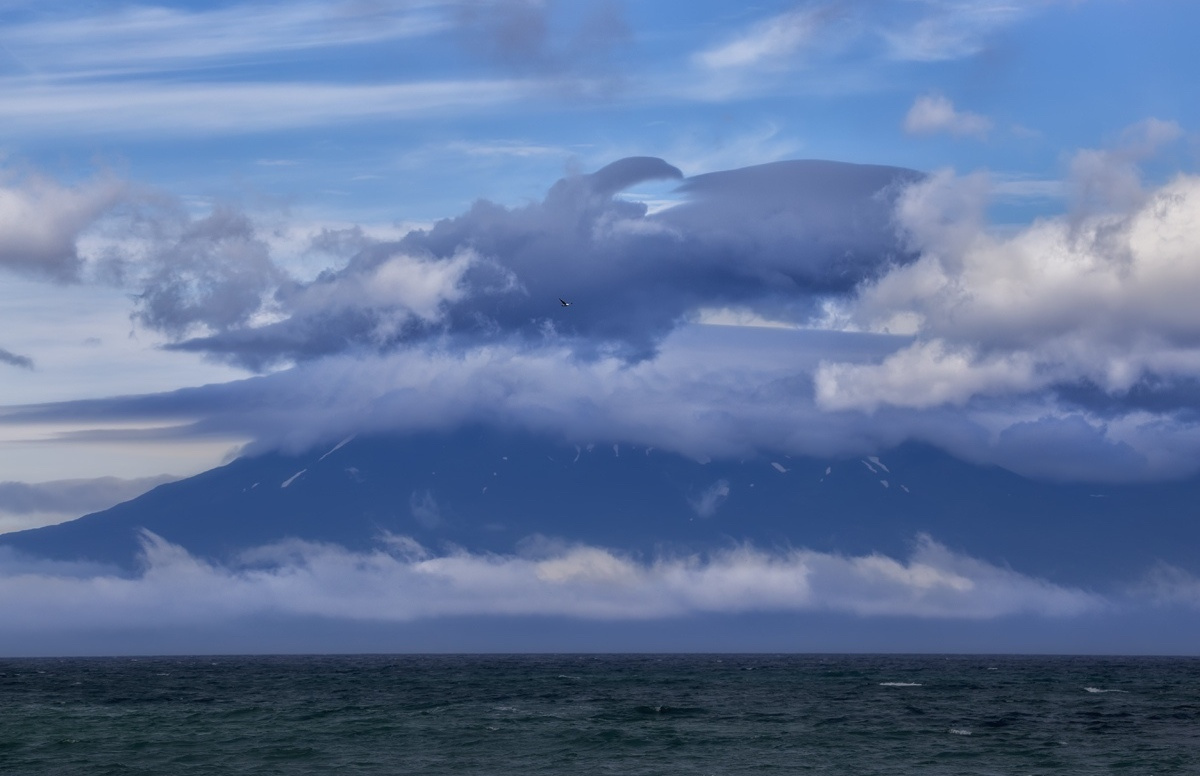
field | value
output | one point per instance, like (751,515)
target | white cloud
(402,582)
(1147,136)
(1103,295)
(507,148)
(411,286)
(1169,585)
(696,152)
(711,498)
(767,41)
(934,31)
(138,37)
(41,222)
(932,113)
(925,374)
(1108,179)
(711,392)
(149,107)
(952,30)
(729,316)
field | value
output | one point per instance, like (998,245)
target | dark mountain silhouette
(492,491)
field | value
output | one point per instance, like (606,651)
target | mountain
(487,490)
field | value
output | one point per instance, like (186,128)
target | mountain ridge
(491,491)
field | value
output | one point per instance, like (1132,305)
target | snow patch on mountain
(292,479)
(337,447)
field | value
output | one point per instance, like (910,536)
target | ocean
(600,714)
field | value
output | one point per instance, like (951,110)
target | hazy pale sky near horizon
(238,199)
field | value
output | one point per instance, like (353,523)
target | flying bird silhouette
(564,302)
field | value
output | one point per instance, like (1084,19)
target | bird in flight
(564,302)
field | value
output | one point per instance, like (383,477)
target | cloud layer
(871,306)
(29,505)
(776,237)
(401,582)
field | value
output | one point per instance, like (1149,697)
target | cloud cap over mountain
(773,237)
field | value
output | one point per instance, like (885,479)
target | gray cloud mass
(1064,349)
(776,237)
(214,274)
(13,359)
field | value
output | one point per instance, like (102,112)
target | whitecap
(1099,689)
(959,732)
(899,684)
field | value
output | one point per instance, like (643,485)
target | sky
(819,228)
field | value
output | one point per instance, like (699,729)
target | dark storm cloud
(774,238)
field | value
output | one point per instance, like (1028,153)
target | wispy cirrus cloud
(772,41)
(149,69)
(151,107)
(944,30)
(157,38)
(935,31)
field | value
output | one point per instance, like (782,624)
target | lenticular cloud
(775,238)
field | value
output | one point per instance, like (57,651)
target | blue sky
(348,202)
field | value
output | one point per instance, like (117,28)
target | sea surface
(584,714)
